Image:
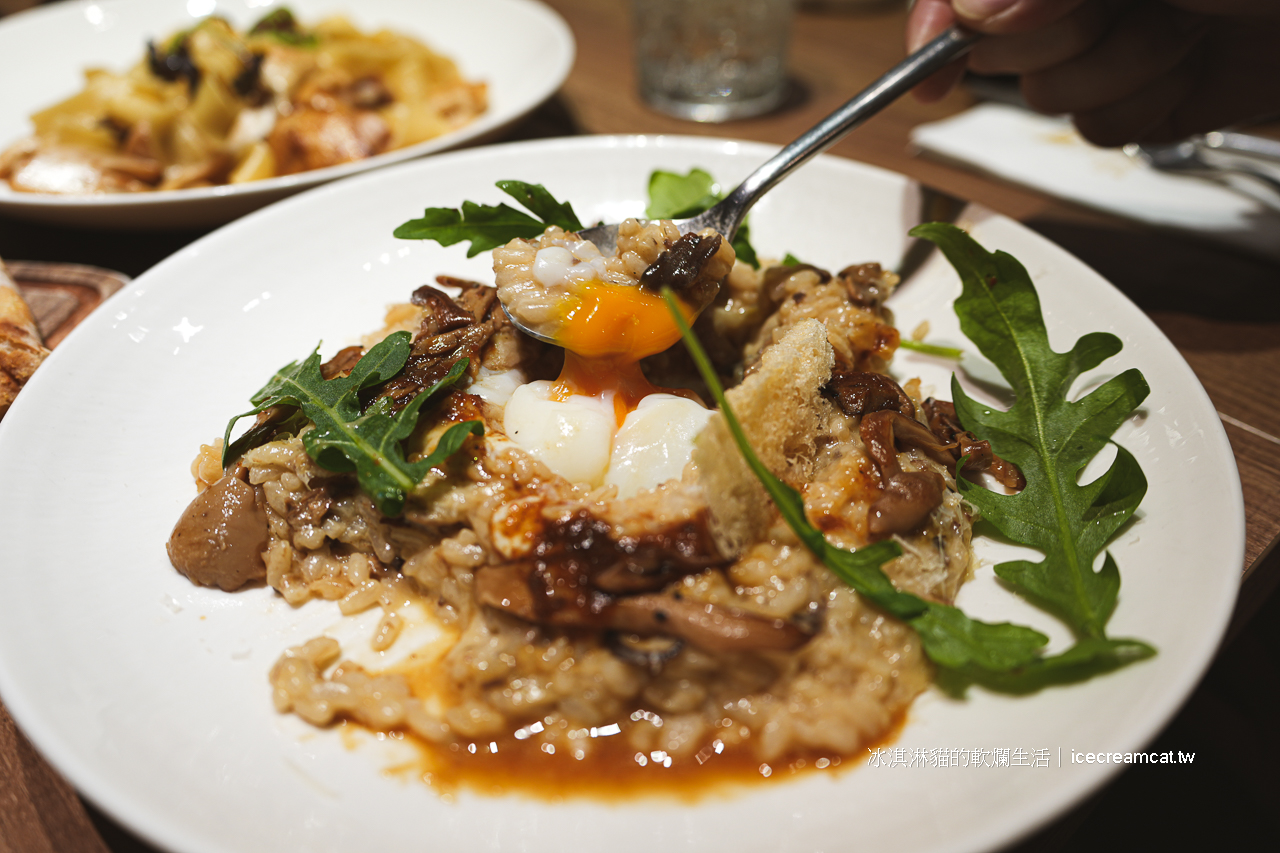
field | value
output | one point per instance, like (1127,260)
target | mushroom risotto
(616,590)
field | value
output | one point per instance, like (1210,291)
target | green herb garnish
(952,353)
(674,196)
(1051,439)
(489,226)
(345,439)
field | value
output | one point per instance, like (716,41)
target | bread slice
(21,348)
(782,410)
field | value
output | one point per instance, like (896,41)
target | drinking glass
(712,60)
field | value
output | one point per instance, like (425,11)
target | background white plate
(151,695)
(521,48)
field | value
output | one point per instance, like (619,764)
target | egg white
(573,438)
(654,443)
(579,439)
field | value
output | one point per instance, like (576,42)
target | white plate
(151,694)
(521,48)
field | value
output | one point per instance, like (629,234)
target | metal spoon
(726,216)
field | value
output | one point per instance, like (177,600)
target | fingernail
(980,10)
(915,35)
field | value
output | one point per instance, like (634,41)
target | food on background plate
(21,347)
(621,577)
(212,106)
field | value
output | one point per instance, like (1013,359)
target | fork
(1186,157)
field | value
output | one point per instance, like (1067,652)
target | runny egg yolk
(617,322)
(605,330)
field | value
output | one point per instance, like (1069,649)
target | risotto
(638,605)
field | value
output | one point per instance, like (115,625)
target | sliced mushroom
(432,358)
(683,268)
(578,550)
(248,83)
(707,626)
(888,424)
(858,393)
(632,577)
(478,299)
(442,313)
(175,64)
(342,362)
(865,285)
(946,426)
(908,496)
(651,653)
(507,588)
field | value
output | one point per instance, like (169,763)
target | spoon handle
(728,214)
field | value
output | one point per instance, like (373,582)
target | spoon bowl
(725,217)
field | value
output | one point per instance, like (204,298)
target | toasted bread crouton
(782,410)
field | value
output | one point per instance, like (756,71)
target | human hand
(1124,70)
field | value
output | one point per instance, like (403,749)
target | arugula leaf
(674,196)
(1084,660)
(1051,438)
(489,226)
(1048,436)
(260,434)
(378,365)
(542,204)
(486,226)
(742,246)
(948,637)
(345,439)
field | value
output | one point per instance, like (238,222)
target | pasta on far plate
(210,105)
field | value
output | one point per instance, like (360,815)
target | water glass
(712,60)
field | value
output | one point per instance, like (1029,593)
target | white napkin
(1047,154)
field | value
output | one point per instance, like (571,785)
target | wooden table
(1221,310)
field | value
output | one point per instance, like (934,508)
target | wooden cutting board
(62,295)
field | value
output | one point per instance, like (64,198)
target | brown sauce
(611,772)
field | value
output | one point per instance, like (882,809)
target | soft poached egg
(602,422)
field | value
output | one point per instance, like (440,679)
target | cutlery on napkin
(1046,154)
